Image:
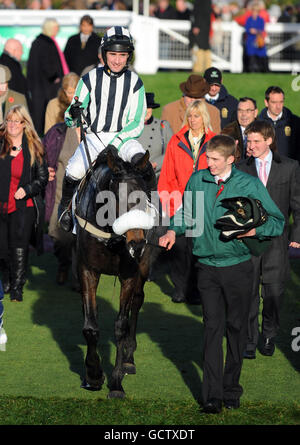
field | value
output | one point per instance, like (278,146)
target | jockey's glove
(75,110)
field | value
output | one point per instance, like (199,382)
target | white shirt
(276,118)
(209,98)
(224,177)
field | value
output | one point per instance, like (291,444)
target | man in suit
(281,176)
(194,88)
(246,113)
(285,123)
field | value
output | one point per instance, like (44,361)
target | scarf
(84,38)
(196,143)
(62,58)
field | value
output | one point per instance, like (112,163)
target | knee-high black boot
(65,220)
(4,267)
(18,266)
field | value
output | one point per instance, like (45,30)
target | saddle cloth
(94,181)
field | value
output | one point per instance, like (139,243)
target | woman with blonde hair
(185,154)
(46,67)
(56,107)
(23,178)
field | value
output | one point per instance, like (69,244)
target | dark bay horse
(126,254)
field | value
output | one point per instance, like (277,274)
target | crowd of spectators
(224,10)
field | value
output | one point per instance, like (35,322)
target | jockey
(111,100)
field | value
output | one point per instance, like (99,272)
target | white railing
(159,43)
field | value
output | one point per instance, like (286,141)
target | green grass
(165,85)
(28,411)
(40,373)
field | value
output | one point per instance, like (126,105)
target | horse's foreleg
(136,304)
(121,333)
(130,340)
(94,377)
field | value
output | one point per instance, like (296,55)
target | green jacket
(201,205)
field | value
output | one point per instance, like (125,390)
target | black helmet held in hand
(244,214)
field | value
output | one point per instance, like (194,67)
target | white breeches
(78,164)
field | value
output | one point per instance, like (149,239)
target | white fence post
(236,48)
(146,41)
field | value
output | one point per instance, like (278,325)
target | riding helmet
(118,39)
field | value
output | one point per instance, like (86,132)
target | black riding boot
(4,267)
(147,172)
(65,219)
(18,266)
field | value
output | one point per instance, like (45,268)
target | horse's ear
(114,162)
(141,164)
(110,160)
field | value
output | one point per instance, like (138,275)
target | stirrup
(65,221)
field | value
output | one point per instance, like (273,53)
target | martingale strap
(92,229)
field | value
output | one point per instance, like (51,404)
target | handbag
(260,40)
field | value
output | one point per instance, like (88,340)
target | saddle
(96,179)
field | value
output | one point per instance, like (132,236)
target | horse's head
(134,213)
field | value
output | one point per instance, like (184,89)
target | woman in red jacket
(185,154)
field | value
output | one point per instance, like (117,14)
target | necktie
(221,188)
(212,101)
(244,146)
(263,171)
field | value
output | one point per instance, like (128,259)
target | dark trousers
(19,229)
(226,296)
(271,294)
(182,267)
(258,64)
(20,225)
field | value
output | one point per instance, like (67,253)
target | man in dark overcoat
(219,96)
(284,121)
(82,49)
(44,73)
(282,179)
(199,35)
(11,57)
